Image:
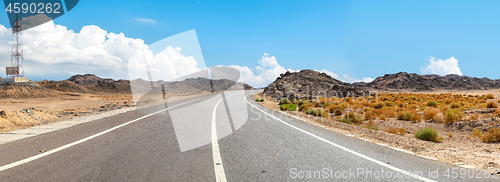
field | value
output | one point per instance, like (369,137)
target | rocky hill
(89,80)
(415,82)
(202,84)
(309,84)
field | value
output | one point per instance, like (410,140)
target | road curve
(177,144)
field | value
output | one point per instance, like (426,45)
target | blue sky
(356,38)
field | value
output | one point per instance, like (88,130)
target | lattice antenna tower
(17,54)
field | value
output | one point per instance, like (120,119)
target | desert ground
(459,145)
(26,112)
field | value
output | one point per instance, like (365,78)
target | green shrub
(372,127)
(452,115)
(406,116)
(259,100)
(431,103)
(428,134)
(389,104)
(288,107)
(284,101)
(454,105)
(314,112)
(326,104)
(345,120)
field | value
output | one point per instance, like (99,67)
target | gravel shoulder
(457,147)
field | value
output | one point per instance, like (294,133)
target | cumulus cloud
(267,71)
(145,20)
(346,78)
(441,67)
(52,51)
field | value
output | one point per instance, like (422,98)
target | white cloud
(267,71)
(333,75)
(145,20)
(52,51)
(442,67)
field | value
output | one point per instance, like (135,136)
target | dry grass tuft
(430,113)
(392,130)
(492,136)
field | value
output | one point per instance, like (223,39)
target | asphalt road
(200,139)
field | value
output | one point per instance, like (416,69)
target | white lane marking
(220,175)
(343,148)
(14,164)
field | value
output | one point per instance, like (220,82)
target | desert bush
(450,134)
(344,106)
(431,103)
(301,101)
(368,115)
(402,131)
(326,104)
(303,107)
(288,107)
(416,118)
(428,134)
(259,100)
(476,133)
(430,113)
(392,130)
(389,104)
(336,110)
(378,105)
(401,105)
(410,98)
(345,120)
(284,101)
(497,112)
(482,97)
(404,115)
(348,99)
(382,117)
(492,136)
(490,96)
(317,104)
(491,105)
(452,115)
(353,117)
(473,117)
(454,105)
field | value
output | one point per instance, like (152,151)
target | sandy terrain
(26,112)
(457,147)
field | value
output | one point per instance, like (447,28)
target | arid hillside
(309,83)
(414,82)
(94,85)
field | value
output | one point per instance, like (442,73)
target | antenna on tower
(13,72)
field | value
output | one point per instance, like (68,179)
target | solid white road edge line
(220,175)
(343,148)
(14,164)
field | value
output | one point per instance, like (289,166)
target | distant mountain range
(307,82)
(90,83)
(415,82)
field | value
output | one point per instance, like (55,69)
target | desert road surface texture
(199,139)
